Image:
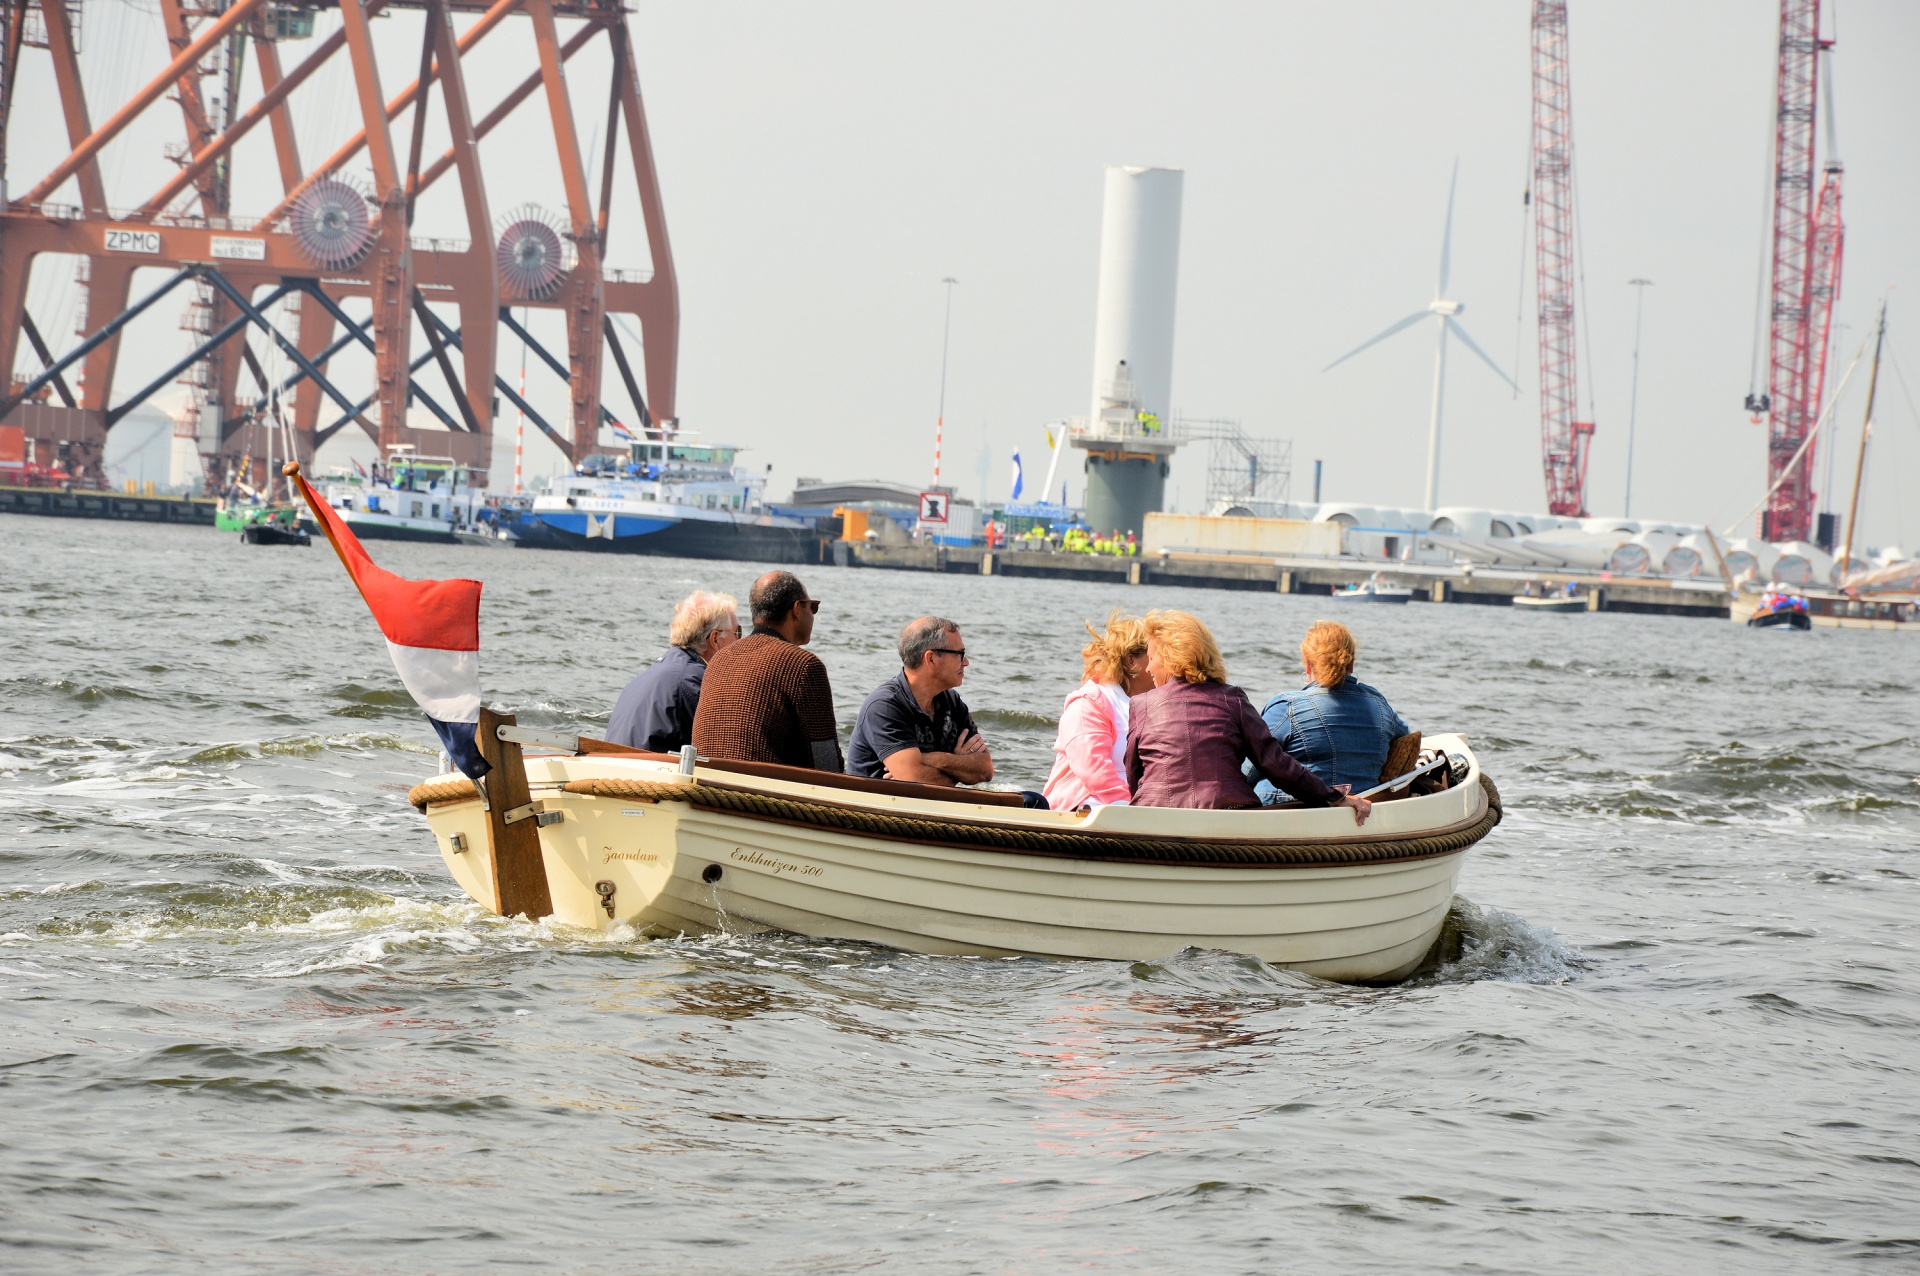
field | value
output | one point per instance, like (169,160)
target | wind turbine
(1442,311)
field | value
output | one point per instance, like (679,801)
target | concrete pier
(116,505)
(1678,596)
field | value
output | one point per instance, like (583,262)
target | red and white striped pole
(940,422)
(520,422)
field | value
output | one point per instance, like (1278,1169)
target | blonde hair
(1105,658)
(1187,648)
(698,615)
(1330,649)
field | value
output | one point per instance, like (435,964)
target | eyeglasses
(949,651)
(811,604)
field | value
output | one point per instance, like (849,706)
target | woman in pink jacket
(1089,754)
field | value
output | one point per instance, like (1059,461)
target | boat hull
(378,527)
(486,540)
(1780,620)
(274,534)
(682,538)
(678,867)
(1550,606)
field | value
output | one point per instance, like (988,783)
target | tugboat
(409,498)
(280,529)
(258,523)
(674,496)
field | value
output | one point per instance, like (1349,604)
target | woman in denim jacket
(1337,726)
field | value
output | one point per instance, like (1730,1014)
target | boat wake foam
(1491,944)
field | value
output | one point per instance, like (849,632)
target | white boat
(1553,604)
(408,497)
(674,496)
(1376,589)
(673,847)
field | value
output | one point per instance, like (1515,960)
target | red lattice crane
(1564,440)
(1807,241)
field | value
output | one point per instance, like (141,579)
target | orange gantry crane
(330,238)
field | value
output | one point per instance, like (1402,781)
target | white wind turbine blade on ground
(1408,322)
(1461,333)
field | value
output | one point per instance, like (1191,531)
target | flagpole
(292,472)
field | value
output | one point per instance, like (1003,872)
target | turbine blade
(1461,333)
(1446,239)
(1408,322)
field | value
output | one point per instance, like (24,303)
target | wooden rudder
(519,872)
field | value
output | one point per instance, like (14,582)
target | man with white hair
(657,708)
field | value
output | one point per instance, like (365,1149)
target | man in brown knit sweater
(764,698)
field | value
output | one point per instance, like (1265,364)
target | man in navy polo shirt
(657,709)
(915,726)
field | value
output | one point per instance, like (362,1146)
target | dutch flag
(620,431)
(432,629)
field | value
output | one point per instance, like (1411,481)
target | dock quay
(115,505)
(1454,583)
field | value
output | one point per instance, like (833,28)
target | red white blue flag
(432,629)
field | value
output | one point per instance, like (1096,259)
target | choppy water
(250,1026)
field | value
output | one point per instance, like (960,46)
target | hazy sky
(824,166)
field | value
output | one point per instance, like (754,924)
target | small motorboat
(1375,590)
(1779,610)
(268,532)
(1786,618)
(601,835)
(497,538)
(1553,604)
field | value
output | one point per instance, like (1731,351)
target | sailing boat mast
(1866,432)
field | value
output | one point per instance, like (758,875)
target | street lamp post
(1639,287)
(940,422)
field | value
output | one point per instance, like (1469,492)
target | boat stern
(606,862)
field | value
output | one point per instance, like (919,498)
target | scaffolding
(1242,469)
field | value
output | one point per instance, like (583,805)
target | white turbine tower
(1442,311)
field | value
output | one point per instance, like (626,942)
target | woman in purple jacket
(1186,738)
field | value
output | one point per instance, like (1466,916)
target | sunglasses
(811,604)
(950,651)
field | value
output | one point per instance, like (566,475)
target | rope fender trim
(456,788)
(967,836)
